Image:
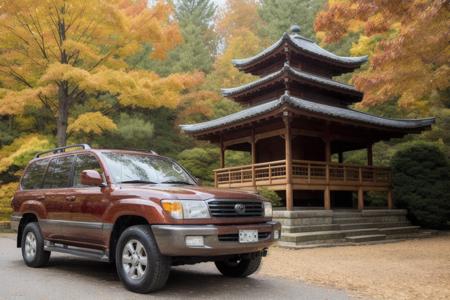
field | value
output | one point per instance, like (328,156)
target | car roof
(95,151)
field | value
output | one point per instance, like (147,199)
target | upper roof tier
(297,83)
(296,49)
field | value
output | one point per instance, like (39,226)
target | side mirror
(91,178)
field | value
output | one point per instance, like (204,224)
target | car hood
(187,192)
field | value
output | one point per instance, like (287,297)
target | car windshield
(141,168)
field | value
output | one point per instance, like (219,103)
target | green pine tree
(278,16)
(199,40)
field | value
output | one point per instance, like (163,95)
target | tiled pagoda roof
(305,45)
(298,74)
(315,108)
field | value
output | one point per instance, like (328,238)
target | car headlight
(185,209)
(267,209)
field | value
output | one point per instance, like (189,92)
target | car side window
(32,179)
(85,162)
(59,172)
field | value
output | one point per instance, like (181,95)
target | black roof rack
(63,149)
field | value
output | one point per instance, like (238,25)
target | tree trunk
(63,90)
(63,114)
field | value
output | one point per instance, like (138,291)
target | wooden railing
(303,172)
(269,171)
(313,171)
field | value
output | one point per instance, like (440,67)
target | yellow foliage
(243,44)
(21,146)
(90,58)
(92,122)
(7,191)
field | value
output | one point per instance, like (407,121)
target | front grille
(234,237)
(226,208)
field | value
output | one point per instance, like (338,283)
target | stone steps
(346,235)
(313,236)
(400,230)
(371,225)
(365,238)
(323,228)
(309,228)
(354,220)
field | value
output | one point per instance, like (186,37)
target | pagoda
(297,125)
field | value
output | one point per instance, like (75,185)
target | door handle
(40,198)
(70,198)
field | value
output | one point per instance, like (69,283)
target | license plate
(248,236)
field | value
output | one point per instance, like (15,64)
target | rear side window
(85,162)
(59,172)
(32,179)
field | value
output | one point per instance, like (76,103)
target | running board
(98,255)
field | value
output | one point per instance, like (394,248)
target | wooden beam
(268,134)
(242,140)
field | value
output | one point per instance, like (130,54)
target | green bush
(421,180)
(270,195)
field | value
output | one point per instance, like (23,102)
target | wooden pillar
(390,204)
(326,195)
(222,153)
(326,198)
(288,156)
(360,198)
(369,155)
(253,145)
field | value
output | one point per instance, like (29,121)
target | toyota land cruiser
(139,210)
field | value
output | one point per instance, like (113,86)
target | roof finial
(295,29)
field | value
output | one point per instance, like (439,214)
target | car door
(57,194)
(88,206)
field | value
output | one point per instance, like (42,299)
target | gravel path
(416,269)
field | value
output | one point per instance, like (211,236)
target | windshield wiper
(177,182)
(137,181)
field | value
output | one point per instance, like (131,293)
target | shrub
(7,191)
(421,180)
(270,195)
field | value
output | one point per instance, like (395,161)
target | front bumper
(171,239)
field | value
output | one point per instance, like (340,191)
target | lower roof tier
(310,110)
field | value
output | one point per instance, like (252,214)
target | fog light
(276,234)
(194,241)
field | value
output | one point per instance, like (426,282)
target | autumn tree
(57,54)
(237,27)
(407,42)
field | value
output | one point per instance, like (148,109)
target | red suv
(139,210)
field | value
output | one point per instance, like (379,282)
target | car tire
(239,267)
(33,252)
(140,265)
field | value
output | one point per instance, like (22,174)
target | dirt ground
(416,269)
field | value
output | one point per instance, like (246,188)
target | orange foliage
(407,40)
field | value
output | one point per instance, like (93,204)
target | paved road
(70,277)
